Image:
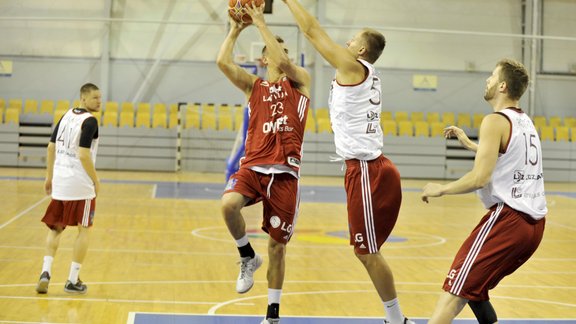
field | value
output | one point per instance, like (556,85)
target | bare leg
(232,203)
(380,274)
(447,308)
(81,244)
(52,242)
(276,265)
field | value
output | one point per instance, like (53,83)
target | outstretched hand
(255,12)
(238,25)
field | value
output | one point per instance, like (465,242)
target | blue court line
(213,191)
(152,318)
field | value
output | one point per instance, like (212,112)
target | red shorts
(280,196)
(374,195)
(60,214)
(503,240)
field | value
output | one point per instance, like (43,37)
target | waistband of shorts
(353,162)
(526,217)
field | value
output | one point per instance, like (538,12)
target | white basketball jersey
(355,117)
(70,181)
(517,179)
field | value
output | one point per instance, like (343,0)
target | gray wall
(56,46)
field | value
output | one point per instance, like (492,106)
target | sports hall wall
(438,54)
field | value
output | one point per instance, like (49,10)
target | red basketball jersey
(278,113)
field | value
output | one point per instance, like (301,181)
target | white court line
(212,311)
(20,322)
(307,282)
(572,228)
(22,213)
(110,300)
(439,240)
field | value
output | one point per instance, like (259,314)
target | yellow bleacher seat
(310,123)
(63,105)
(208,121)
(321,113)
(58,113)
(143,119)
(173,120)
(562,134)
(225,118)
(208,107)
(160,108)
(416,116)
(437,129)
(12,115)
(110,118)
(98,115)
(324,125)
(570,121)
(573,134)
(389,127)
(477,120)
(555,121)
(421,128)
(2,103)
(111,106)
(76,103)
(401,116)
(174,108)
(386,115)
(127,118)
(159,118)
(539,121)
(547,133)
(432,117)
(225,122)
(15,103)
(126,107)
(144,107)
(448,119)
(192,119)
(47,107)
(464,120)
(30,106)
(405,128)
(2,114)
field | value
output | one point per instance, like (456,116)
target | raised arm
(276,51)
(337,55)
(236,74)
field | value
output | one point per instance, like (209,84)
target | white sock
(274,296)
(74,271)
(242,241)
(393,312)
(47,265)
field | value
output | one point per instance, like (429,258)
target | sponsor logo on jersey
(278,125)
(231,184)
(516,193)
(372,115)
(275,221)
(293,161)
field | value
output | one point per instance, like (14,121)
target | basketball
(238,13)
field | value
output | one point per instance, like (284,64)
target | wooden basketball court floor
(160,253)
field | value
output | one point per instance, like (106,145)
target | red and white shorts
(503,240)
(374,195)
(280,196)
(62,213)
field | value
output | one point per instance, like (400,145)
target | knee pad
(483,311)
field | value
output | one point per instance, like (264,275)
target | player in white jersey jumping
(507,174)
(372,182)
(72,182)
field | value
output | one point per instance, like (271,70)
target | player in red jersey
(270,171)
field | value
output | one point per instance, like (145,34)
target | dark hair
(516,77)
(278,39)
(87,88)
(375,43)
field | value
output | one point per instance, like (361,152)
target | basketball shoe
(42,286)
(270,321)
(78,288)
(406,321)
(246,277)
